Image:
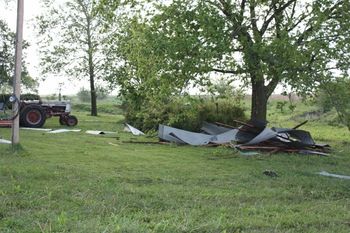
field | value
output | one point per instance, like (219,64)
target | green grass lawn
(75,182)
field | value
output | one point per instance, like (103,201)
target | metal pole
(18,72)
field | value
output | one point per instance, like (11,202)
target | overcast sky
(31,10)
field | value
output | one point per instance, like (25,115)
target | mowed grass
(75,182)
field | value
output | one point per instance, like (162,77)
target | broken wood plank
(301,124)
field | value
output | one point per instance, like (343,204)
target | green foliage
(222,110)
(53,96)
(77,34)
(336,94)
(84,95)
(74,42)
(147,108)
(223,89)
(280,105)
(262,43)
(292,107)
(184,113)
(142,73)
(324,101)
(102,107)
(26,96)
(7,59)
(30,96)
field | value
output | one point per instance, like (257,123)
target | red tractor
(33,113)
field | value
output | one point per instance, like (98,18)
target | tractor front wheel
(71,120)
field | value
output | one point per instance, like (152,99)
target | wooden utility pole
(18,72)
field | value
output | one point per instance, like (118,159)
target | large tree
(262,43)
(73,42)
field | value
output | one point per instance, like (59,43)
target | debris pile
(180,136)
(251,136)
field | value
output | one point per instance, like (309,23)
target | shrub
(337,94)
(324,101)
(30,96)
(4,98)
(27,96)
(84,95)
(183,112)
(52,97)
(280,105)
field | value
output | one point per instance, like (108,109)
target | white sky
(51,84)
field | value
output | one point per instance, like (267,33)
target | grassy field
(75,182)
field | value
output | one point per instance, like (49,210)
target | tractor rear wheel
(32,116)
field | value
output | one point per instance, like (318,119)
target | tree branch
(270,87)
(300,20)
(228,12)
(228,71)
(276,12)
(243,3)
(310,29)
(253,21)
(216,5)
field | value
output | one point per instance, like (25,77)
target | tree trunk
(93,96)
(92,88)
(91,71)
(259,101)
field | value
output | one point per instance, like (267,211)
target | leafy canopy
(69,32)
